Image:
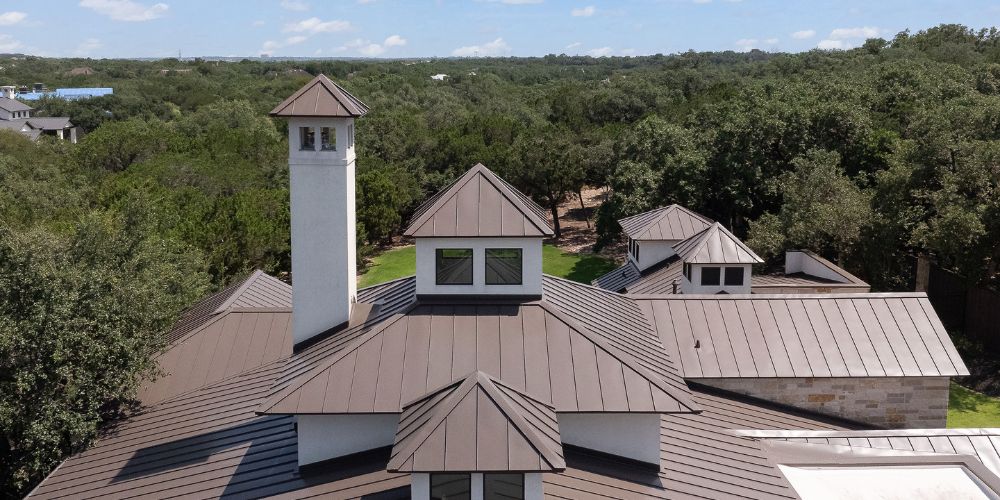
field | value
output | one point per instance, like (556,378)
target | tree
(80,317)
(545,169)
(633,190)
(115,146)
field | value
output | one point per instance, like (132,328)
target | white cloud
(126,10)
(627,52)
(8,43)
(271,45)
(515,2)
(862,32)
(257,23)
(295,40)
(832,45)
(702,1)
(364,2)
(600,52)
(370,49)
(11,18)
(495,48)
(394,41)
(316,25)
(583,12)
(296,5)
(771,41)
(574,45)
(803,34)
(747,44)
(87,46)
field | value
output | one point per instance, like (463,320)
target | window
(734,276)
(710,276)
(307,139)
(350,135)
(687,271)
(637,251)
(451,487)
(503,486)
(454,266)
(328,139)
(503,266)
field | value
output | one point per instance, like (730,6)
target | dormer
(652,235)
(716,261)
(321,123)
(479,236)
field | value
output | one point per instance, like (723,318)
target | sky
(450,28)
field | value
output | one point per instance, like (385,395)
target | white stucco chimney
(321,164)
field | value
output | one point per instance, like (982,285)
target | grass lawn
(968,408)
(401,262)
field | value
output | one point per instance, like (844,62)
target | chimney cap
(321,97)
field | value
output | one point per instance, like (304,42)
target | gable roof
(479,203)
(804,335)
(477,424)
(672,222)
(13,105)
(531,346)
(321,97)
(716,245)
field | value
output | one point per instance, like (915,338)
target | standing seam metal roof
(321,97)
(716,245)
(803,335)
(477,424)
(12,105)
(672,222)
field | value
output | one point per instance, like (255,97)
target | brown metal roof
(617,279)
(716,245)
(479,204)
(477,424)
(672,222)
(321,97)
(803,335)
(13,105)
(532,347)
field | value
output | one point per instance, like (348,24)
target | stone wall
(888,402)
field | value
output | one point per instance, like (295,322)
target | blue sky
(386,28)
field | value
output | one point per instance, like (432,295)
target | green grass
(968,408)
(401,262)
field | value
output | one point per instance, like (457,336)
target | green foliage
(119,145)
(968,408)
(633,190)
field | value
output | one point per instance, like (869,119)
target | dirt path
(577,224)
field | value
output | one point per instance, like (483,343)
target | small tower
(321,176)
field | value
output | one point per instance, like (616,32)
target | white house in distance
(16,116)
(481,378)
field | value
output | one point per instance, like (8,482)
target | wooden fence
(964,307)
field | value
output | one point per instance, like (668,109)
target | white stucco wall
(322,437)
(654,252)
(324,261)
(531,266)
(802,262)
(630,435)
(694,286)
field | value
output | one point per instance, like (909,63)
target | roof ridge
(353,106)
(685,400)
(247,282)
(462,387)
(696,243)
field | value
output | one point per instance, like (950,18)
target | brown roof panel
(672,222)
(321,97)
(13,105)
(441,431)
(716,245)
(479,203)
(583,369)
(803,335)
(619,278)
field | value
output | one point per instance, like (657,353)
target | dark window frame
(327,139)
(304,133)
(718,276)
(438,256)
(452,477)
(520,266)
(486,492)
(726,276)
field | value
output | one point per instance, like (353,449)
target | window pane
(454,266)
(451,487)
(503,486)
(709,276)
(328,138)
(307,137)
(734,276)
(503,266)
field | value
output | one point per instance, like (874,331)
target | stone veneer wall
(888,402)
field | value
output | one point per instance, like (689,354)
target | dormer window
(493,486)
(734,276)
(328,138)
(503,266)
(453,266)
(710,276)
(307,139)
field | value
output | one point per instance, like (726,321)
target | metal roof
(532,347)
(50,123)
(619,278)
(804,335)
(321,97)
(13,105)
(477,424)
(479,203)
(716,245)
(672,222)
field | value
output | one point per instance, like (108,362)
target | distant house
(439,77)
(481,378)
(70,94)
(81,71)
(16,116)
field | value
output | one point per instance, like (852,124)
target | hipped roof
(321,97)
(479,203)
(477,424)
(672,222)
(716,245)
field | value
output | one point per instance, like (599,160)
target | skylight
(881,482)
